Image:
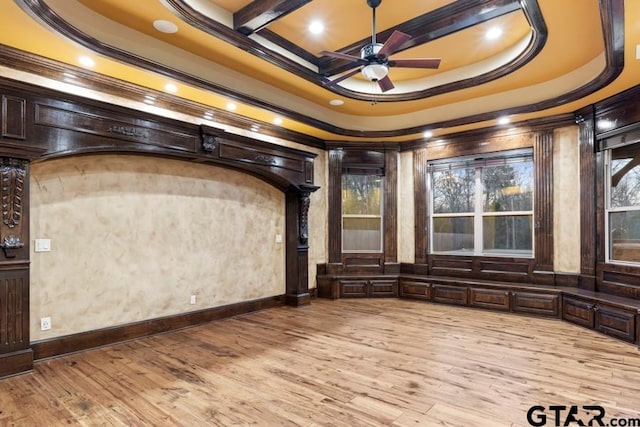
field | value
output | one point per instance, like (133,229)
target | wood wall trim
(612,15)
(335,206)
(587,202)
(390,226)
(543,206)
(421,208)
(59,346)
(60,125)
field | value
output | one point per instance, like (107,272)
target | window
(623,204)
(361,213)
(483,206)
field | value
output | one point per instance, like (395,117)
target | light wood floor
(344,363)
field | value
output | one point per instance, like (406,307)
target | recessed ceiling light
(69,75)
(208,115)
(316,27)
(427,134)
(255,128)
(149,101)
(336,102)
(503,120)
(86,61)
(277,121)
(170,87)
(605,124)
(493,33)
(231,106)
(163,26)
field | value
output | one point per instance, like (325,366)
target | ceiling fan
(374,57)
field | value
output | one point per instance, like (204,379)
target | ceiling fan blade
(394,41)
(416,63)
(343,77)
(344,56)
(385,84)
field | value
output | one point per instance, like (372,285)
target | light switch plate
(43,245)
(278,238)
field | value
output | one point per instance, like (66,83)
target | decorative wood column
(391,264)
(335,206)
(420,205)
(15,352)
(543,207)
(297,248)
(587,279)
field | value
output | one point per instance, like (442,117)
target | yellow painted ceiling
(575,42)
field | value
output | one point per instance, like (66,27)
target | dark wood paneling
(490,298)
(485,268)
(260,13)
(354,288)
(390,207)
(615,322)
(445,265)
(14,310)
(506,266)
(421,208)
(86,340)
(113,127)
(578,311)
(449,294)
(383,288)
(13,117)
(536,303)
(335,206)
(587,201)
(543,200)
(417,290)
(369,261)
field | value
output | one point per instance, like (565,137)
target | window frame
(478,213)
(380,216)
(608,209)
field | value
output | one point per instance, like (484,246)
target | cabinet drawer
(617,323)
(450,294)
(578,312)
(353,288)
(418,290)
(533,303)
(490,298)
(384,288)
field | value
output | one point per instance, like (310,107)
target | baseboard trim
(15,363)
(59,346)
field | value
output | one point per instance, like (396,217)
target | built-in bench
(612,315)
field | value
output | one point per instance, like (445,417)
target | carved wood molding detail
(13,174)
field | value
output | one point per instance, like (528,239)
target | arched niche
(38,125)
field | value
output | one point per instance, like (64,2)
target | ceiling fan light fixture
(375,72)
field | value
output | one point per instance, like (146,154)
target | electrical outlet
(45,323)
(192,300)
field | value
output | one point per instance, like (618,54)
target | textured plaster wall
(566,200)
(406,226)
(134,237)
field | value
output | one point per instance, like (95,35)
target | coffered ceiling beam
(260,13)
(441,22)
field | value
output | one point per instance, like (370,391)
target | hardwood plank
(343,363)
